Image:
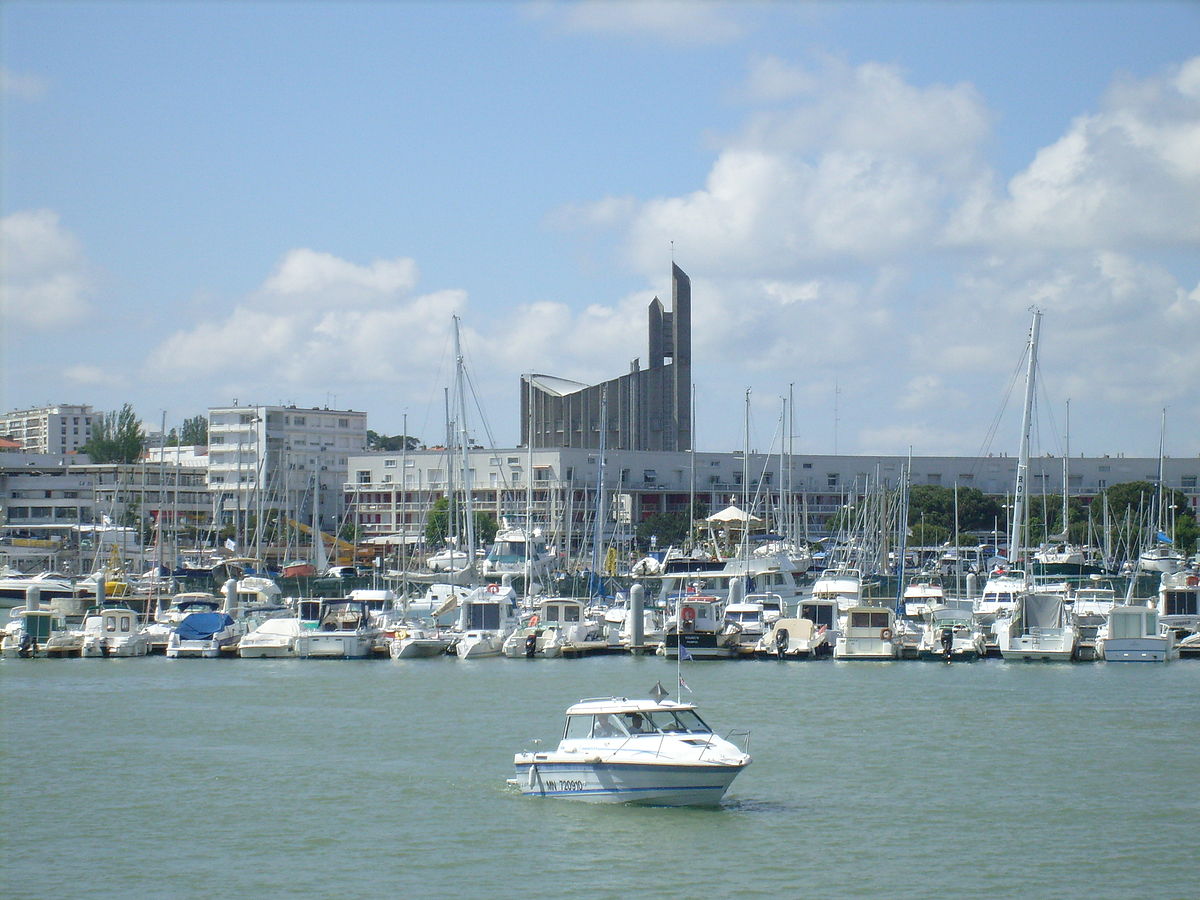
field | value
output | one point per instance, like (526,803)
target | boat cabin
(621,718)
(561,611)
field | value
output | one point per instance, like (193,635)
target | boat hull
(639,783)
(331,645)
(1147,649)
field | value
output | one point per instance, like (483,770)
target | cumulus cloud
(318,321)
(1127,175)
(46,278)
(671,21)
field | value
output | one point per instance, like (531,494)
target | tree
(392,443)
(670,529)
(1140,497)
(116,437)
(194,431)
(437,525)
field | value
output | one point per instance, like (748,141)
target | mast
(1019,505)
(468,488)
(598,525)
(529,491)
(1066,531)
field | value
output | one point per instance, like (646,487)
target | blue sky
(287,202)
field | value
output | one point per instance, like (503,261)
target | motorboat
(1135,634)
(699,624)
(1162,558)
(113,631)
(168,616)
(203,634)
(794,639)
(617,750)
(556,623)
(417,642)
(273,638)
(514,552)
(921,593)
(823,613)
(29,631)
(1039,628)
(842,585)
(949,635)
(869,633)
(343,631)
(486,617)
(15,588)
(1179,602)
(1091,606)
(448,560)
(1000,594)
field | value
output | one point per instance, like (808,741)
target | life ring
(885,634)
(533,620)
(493,588)
(688,614)
(1193,580)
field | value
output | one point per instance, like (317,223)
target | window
(514,460)
(807,466)
(343,423)
(298,420)
(364,477)
(649,476)
(935,478)
(832,479)
(1188,481)
(389,464)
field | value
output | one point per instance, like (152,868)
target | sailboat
(1039,626)
(1161,556)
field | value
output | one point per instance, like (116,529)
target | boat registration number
(564,785)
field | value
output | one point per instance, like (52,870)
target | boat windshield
(622,725)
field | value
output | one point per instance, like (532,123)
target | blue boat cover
(202,626)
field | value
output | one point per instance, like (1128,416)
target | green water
(154,777)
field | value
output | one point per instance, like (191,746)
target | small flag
(105,519)
(683,684)
(230,545)
(684,654)
(658,692)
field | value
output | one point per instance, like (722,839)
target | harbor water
(205,778)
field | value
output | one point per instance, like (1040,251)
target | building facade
(647,409)
(281,458)
(49,429)
(389,494)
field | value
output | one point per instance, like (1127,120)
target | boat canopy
(619,705)
(202,626)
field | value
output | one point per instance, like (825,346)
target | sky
(285,202)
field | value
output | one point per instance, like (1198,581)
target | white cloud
(46,278)
(671,21)
(317,321)
(1125,176)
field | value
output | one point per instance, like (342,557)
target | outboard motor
(781,642)
(28,646)
(947,641)
(531,645)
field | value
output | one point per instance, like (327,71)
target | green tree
(194,431)
(116,437)
(1140,498)
(670,529)
(391,443)
(437,524)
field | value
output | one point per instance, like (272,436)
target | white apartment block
(389,494)
(49,429)
(270,458)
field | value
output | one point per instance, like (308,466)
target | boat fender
(885,634)
(781,641)
(493,588)
(401,635)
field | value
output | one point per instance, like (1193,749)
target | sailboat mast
(598,525)
(1019,499)
(468,487)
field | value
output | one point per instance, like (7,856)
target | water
(155,777)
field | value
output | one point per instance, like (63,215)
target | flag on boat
(658,692)
(683,684)
(1163,539)
(684,654)
(230,545)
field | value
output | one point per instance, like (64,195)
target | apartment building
(49,429)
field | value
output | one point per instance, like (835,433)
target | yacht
(950,635)
(417,642)
(513,551)
(1134,634)
(1039,628)
(921,593)
(555,623)
(274,638)
(1179,602)
(841,585)
(869,633)
(15,587)
(486,617)
(1000,594)
(616,750)
(113,631)
(794,639)
(343,631)
(699,622)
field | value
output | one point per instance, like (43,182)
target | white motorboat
(486,617)
(1179,602)
(272,639)
(203,635)
(823,613)
(1000,595)
(30,630)
(699,621)
(1040,628)
(555,623)
(869,633)
(343,631)
(842,585)
(950,635)
(1162,558)
(417,642)
(616,750)
(113,631)
(795,639)
(15,588)
(921,593)
(1091,606)
(513,552)
(1134,634)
